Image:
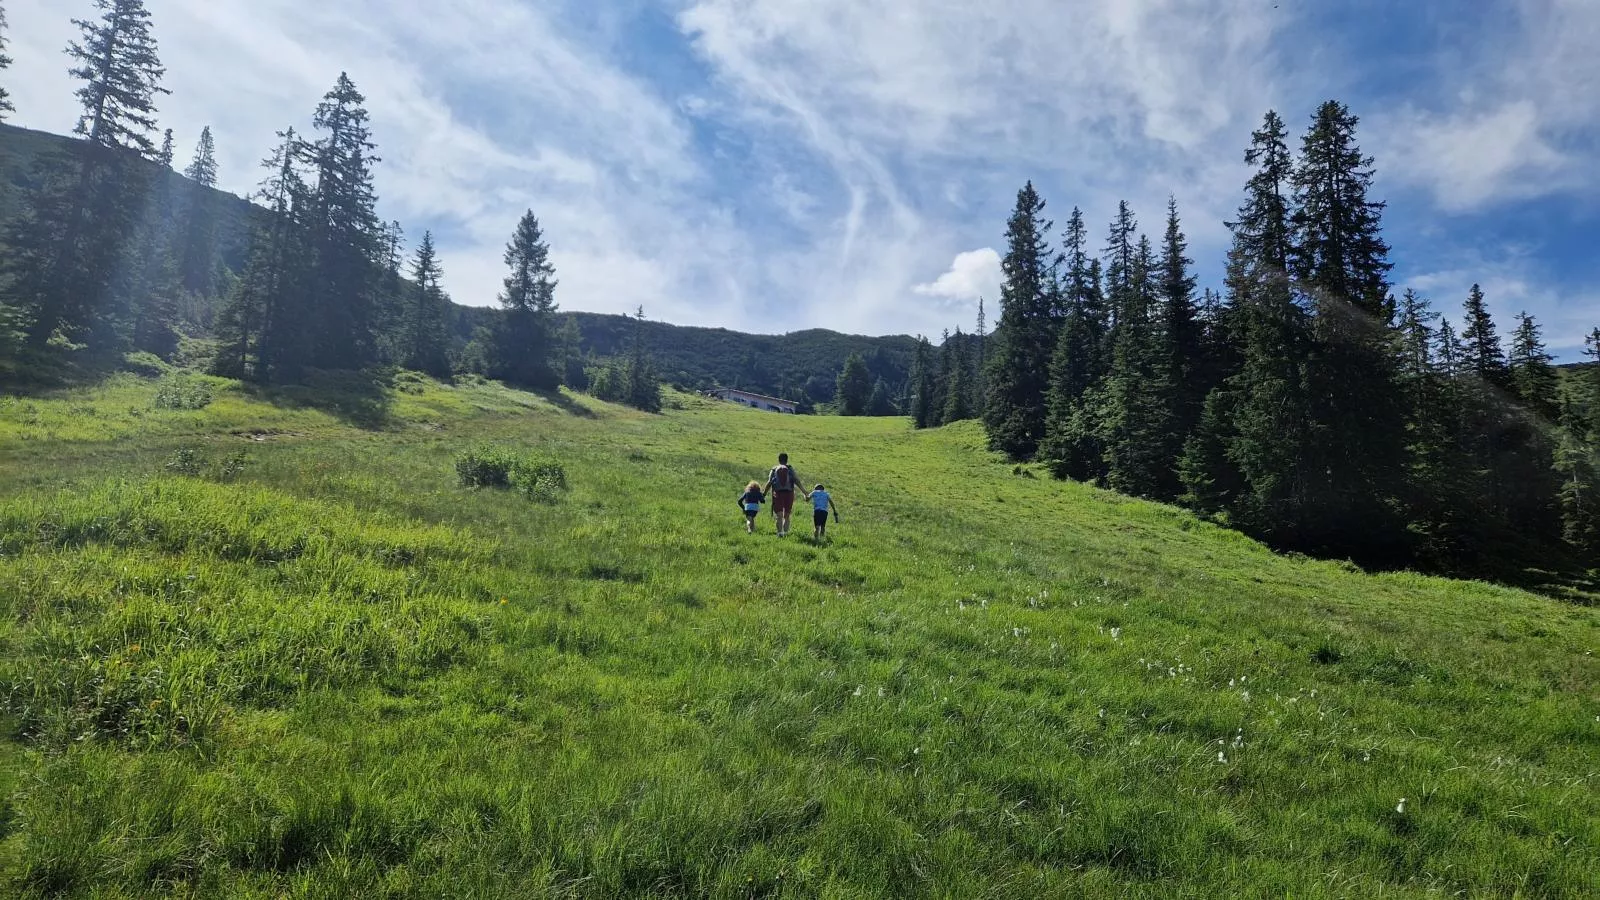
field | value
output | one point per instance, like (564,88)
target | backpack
(783,478)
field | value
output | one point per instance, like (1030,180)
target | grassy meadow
(270,648)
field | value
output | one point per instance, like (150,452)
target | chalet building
(755,401)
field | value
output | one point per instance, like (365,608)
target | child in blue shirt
(750,501)
(821,504)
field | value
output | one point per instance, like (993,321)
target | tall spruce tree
(346,238)
(1588,383)
(1249,457)
(1578,471)
(1485,357)
(1532,375)
(199,262)
(1024,339)
(1078,365)
(6,106)
(1185,330)
(1340,263)
(262,330)
(855,387)
(1138,416)
(522,351)
(152,284)
(424,326)
(959,402)
(923,388)
(880,403)
(69,245)
(642,386)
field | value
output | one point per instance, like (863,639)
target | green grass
(333,671)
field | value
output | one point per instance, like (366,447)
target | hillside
(316,666)
(803,363)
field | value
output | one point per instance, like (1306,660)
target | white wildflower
(858,691)
(1222,757)
(1401,806)
(1116,634)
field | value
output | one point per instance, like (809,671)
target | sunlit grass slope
(332,672)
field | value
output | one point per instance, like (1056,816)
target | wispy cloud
(834,162)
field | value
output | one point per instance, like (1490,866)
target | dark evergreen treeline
(1305,404)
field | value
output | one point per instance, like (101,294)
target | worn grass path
(335,673)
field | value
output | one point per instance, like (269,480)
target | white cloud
(1472,158)
(1524,123)
(973,274)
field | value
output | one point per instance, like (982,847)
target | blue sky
(771,165)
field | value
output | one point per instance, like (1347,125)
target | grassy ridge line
(986,685)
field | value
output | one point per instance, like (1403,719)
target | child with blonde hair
(750,501)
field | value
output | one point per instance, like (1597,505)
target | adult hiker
(783,481)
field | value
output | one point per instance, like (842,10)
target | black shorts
(819,517)
(751,513)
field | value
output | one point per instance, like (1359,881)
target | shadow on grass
(566,404)
(362,399)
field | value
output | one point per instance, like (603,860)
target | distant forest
(1305,403)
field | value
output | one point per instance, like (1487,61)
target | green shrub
(537,478)
(146,364)
(184,461)
(182,392)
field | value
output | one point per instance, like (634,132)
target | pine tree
(1578,471)
(959,403)
(199,264)
(980,388)
(1485,357)
(1185,331)
(262,328)
(922,386)
(1340,262)
(522,342)
(1078,365)
(642,386)
(346,237)
(1138,414)
(879,404)
(1248,457)
(1532,376)
(69,244)
(6,105)
(855,387)
(1120,256)
(426,341)
(1024,339)
(569,340)
(1588,378)
(152,284)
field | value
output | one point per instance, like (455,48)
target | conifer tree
(199,263)
(522,341)
(1138,416)
(1250,454)
(152,284)
(958,394)
(6,105)
(639,377)
(1078,365)
(345,234)
(1588,382)
(569,339)
(262,328)
(1484,355)
(923,388)
(1185,332)
(1340,262)
(69,244)
(1578,471)
(879,404)
(1024,339)
(1532,376)
(980,391)
(425,341)
(855,387)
